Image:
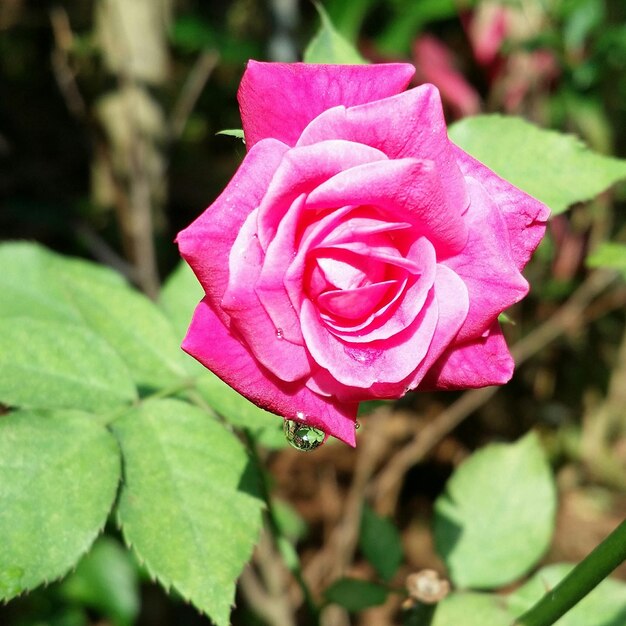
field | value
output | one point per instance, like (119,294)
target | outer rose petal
(525,217)
(279,99)
(486,265)
(206,243)
(479,363)
(209,341)
(248,317)
(410,124)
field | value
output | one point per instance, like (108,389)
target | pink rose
(357,253)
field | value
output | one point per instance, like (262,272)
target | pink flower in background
(357,253)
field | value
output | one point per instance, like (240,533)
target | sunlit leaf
(58,479)
(189,505)
(496,517)
(555,168)
(328,46)
(49,364)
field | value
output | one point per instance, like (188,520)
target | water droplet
(303,437)
(357,425)
(279,333)
(301,415)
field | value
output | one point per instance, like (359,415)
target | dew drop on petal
(279,333)
(303,437)
(357,425)
(301,416)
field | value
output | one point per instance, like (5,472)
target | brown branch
(569,317)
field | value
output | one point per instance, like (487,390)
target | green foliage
(610,255)
(356,595)
(604,606)
(179,296)
(105,580)
(472,609)
(233,132)
(75,336)
(557,169)
(48,364)
(188,505)
(409,19)
(348,16)
(58,478)
(328,46)
(192,33)
(496,517)
(41,285)
(380,543)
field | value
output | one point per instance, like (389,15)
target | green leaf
(179,296)
(189,505)
(610,255)
(604,606)
(29,287)
(496,517)
(131,323)
(555,168)
(328,46)
(40,284)
(106,580)
(58,479)
(289,522)
(380,543)
(265,427)
(356,595)
(233,132)
(472,609)
(409,20)
(348,16)
(56,365)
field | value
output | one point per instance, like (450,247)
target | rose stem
(579,582)
(282,544)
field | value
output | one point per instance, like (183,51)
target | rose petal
(209,341)
(486,265)
(284,359)
(206,243)
(410,124)
(300,172)
(408,190)
(359,365)
(353,304)
(270,287)
(525,217)
(478,363)
(278,99)
(410,301)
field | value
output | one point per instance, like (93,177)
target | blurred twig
(63,72)
(266,591)
(190,92)
(568,317)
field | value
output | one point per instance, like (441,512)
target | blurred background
(109,114)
